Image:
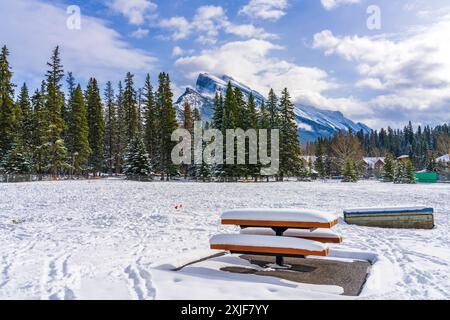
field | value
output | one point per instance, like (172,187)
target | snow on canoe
(397,217)
(393,210)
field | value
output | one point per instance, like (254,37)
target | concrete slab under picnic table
(350,276)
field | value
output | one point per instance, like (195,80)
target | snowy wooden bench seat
(268,245)
(397,217)
(319,235)
(285,218)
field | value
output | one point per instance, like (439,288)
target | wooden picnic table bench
(278,232)
(320,235)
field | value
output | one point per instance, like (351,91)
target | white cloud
(180,26)
(207,23)
(95,50)
(178,51)
(136,11)
(140,33)
(208,20)
(412,69)
(252,62)
(265,9)
(371,83)
(248,31)
(332,4)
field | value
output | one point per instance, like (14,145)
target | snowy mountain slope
(312,122)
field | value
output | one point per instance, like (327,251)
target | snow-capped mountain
(312,122)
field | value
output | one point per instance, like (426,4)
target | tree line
(343,153)
(62,128)
(74,131)
(421,145)
(66,129)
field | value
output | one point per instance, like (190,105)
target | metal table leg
(279,233)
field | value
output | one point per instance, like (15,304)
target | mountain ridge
(312,122)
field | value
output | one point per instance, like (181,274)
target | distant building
(443,167)
(373,166)
(374,162)
(444,159)
(403,158)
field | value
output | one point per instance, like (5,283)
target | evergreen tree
(204,170)
(289,142)
(242,122)
(320,163)
(188,124)
(431,164)
(168,126)
(96,126)
(71,85)
(399,172)
(121,128)
(252,123)
(56,151)
(264,123)
(40,125)
(230,122)
(79,130)
(8,110)
(218,112)
(264,120)
(137,161)
(151,120)
(271,118)
(16,161)
(130,109)
(111,129)
(389,168)
(139,110)
(197,115)
(310,167)
(329,163)
(188,118)
(242,116)
(26,123)
(230,112)
(303,172)
(349,173)
(272,109)
(410,172)
(67,113)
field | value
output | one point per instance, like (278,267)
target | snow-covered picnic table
(266,232)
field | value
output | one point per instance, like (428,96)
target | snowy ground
(102,239)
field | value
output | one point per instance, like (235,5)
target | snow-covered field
(101,239)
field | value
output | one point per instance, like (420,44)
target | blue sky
(322,50)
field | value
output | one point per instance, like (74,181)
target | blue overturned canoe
(397,217)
